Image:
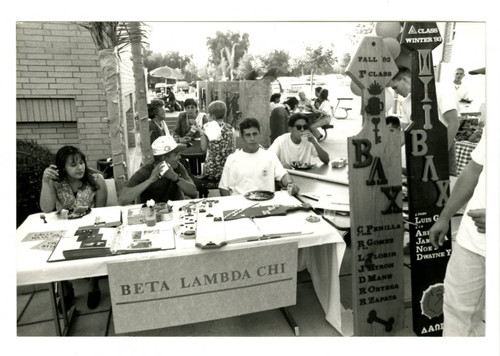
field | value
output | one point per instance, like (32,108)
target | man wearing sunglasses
(298,147)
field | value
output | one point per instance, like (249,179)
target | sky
(190,37)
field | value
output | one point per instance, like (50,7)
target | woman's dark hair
(248,123)
(275,96)
(292,102)
(71,152)
(153,107)
(323,94)
(190,101)
(295,117)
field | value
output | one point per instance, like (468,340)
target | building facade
(60,98)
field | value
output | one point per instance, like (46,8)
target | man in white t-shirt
(447,110)
(298,145)
(252,167)
(464,283)
(461,90)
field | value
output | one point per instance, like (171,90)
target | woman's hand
(50,174)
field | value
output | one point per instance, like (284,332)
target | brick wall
(52,135)
(59,59)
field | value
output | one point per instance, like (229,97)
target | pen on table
(309,196)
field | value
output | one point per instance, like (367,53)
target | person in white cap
(151,181)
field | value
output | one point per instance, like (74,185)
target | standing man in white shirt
(447,110)
(252,167)
(461,90)
(464,283)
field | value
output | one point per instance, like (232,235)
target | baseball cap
(166,144)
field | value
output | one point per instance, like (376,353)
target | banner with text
(428,180)
(163,292)
(375,196)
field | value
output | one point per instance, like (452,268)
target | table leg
(55,314)
(192,164)
(291,321)
(66,314)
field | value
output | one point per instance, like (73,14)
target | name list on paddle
(376,257)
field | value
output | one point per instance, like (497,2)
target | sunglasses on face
(300,127)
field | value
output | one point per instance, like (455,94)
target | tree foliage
(319,59)
(31,159)
(346,58)
(226,50)
(248,63)
(108,35)
(173,59)
(361,30)
(277,58)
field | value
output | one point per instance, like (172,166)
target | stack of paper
(241,230)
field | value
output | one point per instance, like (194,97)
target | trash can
(105,165)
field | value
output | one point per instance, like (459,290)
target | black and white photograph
(321,173)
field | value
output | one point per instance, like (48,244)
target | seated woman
(325,111)
(274,101)
(217,148)
(68,184)
(298,145)
(188,122)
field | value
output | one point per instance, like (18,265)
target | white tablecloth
(321,251)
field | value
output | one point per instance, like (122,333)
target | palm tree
(137,35)
(110,39)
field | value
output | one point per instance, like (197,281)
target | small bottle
(151,217)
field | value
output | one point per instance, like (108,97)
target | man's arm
(225,178)
(183,181)
(287,181)
(462,192)
(101,195)
(128,194)
(322,154)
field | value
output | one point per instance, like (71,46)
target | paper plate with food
(259,195)
(76,213)
(301,165)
